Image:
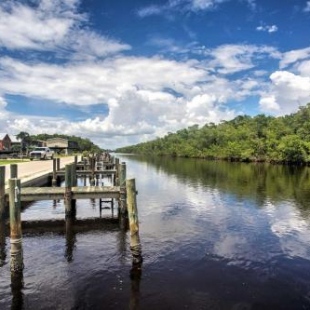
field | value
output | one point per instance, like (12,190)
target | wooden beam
(78,192)
(88,172)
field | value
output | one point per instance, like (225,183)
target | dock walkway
(33,169)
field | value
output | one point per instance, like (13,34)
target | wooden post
(73,183)
(17,285)
(122,175)
(13,171)
(2,241)
(70,239)
(2,192)
(54,179)
(85,163)
(135,245)
(73,174)
(16,264)
(75,159)
(58,164)
(92,165)
(70,212)
(116,175)
(135,277)
(122,184)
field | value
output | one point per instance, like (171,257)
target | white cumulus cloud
(287,92)
(294,56)
(307,8)
(267,28)
(52,26)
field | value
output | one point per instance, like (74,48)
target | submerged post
(135,245)
(69,205)
(2,191)
(73,183)
(16,264)
(70,239)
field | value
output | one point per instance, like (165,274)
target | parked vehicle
(41,153)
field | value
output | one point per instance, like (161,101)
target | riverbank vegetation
(261,138)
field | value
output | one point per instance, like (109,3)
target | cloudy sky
(122,72)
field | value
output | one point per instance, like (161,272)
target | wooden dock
(84,168)
(92,169)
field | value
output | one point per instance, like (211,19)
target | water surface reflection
(214,236)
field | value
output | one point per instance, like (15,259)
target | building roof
(56,138)
(3,134)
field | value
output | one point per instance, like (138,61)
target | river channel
(215,235)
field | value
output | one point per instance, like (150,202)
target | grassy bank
(12,161)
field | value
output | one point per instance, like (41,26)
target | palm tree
(25,140)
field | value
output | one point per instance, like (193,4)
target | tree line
(262,138)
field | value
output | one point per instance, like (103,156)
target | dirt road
(27,170)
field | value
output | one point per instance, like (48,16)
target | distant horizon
(125,72)
(154,138)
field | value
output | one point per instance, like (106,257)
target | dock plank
(79,192)
(88,172)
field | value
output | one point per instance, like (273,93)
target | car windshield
(39,149)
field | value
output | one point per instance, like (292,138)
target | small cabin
(57,143)
(60,144)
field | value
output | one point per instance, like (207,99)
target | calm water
(214,236)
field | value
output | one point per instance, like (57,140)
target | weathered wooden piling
(2,241)
(69,204)
(70,239)
(135,277)
(2,192)
(16,264)
(58,164)
(135,245)
(73,183)
(92,161)
(13,171)
(122,184)
(17,285)
(116,176)
(54,179)
(73,174)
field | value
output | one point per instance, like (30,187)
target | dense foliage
(261,138)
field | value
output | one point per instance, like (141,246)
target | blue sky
(123,72)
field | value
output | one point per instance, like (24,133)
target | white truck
(41,153)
